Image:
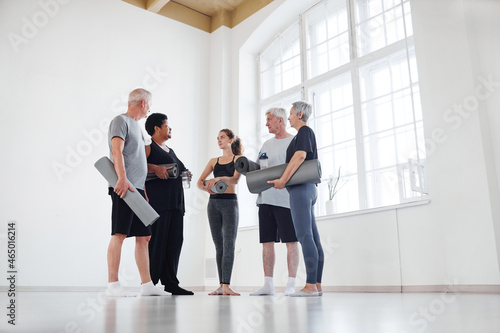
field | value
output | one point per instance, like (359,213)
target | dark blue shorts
(275,224)
(123,219)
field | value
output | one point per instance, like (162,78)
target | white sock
(267,289)
(148,289)
(290,286)
(115,289)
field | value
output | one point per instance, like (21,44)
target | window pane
(291,73)
(280,63)
(347,197)
(406,143)
(343,125)
(380,150)
(403,107)
(270,57)
(407,11)
(339,156)
(375,80)
(377,115)
(380,23)
(327,37)
(324,129)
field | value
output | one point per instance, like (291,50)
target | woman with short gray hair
(303,197)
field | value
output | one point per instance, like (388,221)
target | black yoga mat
(134,200)
(308,172)
(244,165)
(172,173)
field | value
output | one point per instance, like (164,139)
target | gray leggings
(223,220)
(302,199)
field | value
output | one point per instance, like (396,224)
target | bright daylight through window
(354,60)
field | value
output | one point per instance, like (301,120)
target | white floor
(333,312)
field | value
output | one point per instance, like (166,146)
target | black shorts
(275,224)
(123,219)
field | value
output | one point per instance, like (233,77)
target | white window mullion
(360,150)
(358,122)
(352,31)
(303,52)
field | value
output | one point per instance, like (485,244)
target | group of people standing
(285,215)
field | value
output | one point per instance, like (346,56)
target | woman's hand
(207,187)
(277,183)
(211,182)
(162,172)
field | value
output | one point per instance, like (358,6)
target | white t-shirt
(276,152)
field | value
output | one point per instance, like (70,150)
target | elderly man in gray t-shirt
(127,150)
(275,220)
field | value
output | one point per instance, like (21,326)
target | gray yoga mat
(134,200)
(244,165)
(308,172)
(172,173)
(219,187)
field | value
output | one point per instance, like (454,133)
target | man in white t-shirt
(275,219)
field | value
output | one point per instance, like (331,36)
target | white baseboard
(462,289)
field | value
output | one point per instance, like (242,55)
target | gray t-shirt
(134,153)
(276,152)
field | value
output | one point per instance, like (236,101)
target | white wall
(452,239)
(70,76)
(59,88)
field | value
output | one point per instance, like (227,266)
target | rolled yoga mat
(308,172)
(134,200)
(172,173)
(219,187)
(244,165)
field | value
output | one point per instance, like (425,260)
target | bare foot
(310,288)
(226,290)
(217,292)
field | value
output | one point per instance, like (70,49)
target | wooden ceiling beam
(137,3)
(246,9)
(188,16)
(221,18)
(194,18)
(156,5)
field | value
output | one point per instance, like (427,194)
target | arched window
(354,60)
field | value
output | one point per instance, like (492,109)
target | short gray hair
(277,112)
(304,107)
(138,95)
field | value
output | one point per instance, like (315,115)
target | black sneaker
(178,291)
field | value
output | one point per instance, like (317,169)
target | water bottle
(263,160)
(186,183)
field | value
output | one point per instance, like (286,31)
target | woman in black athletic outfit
(222,208)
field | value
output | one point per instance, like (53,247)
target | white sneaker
(263,292)
(148,289)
